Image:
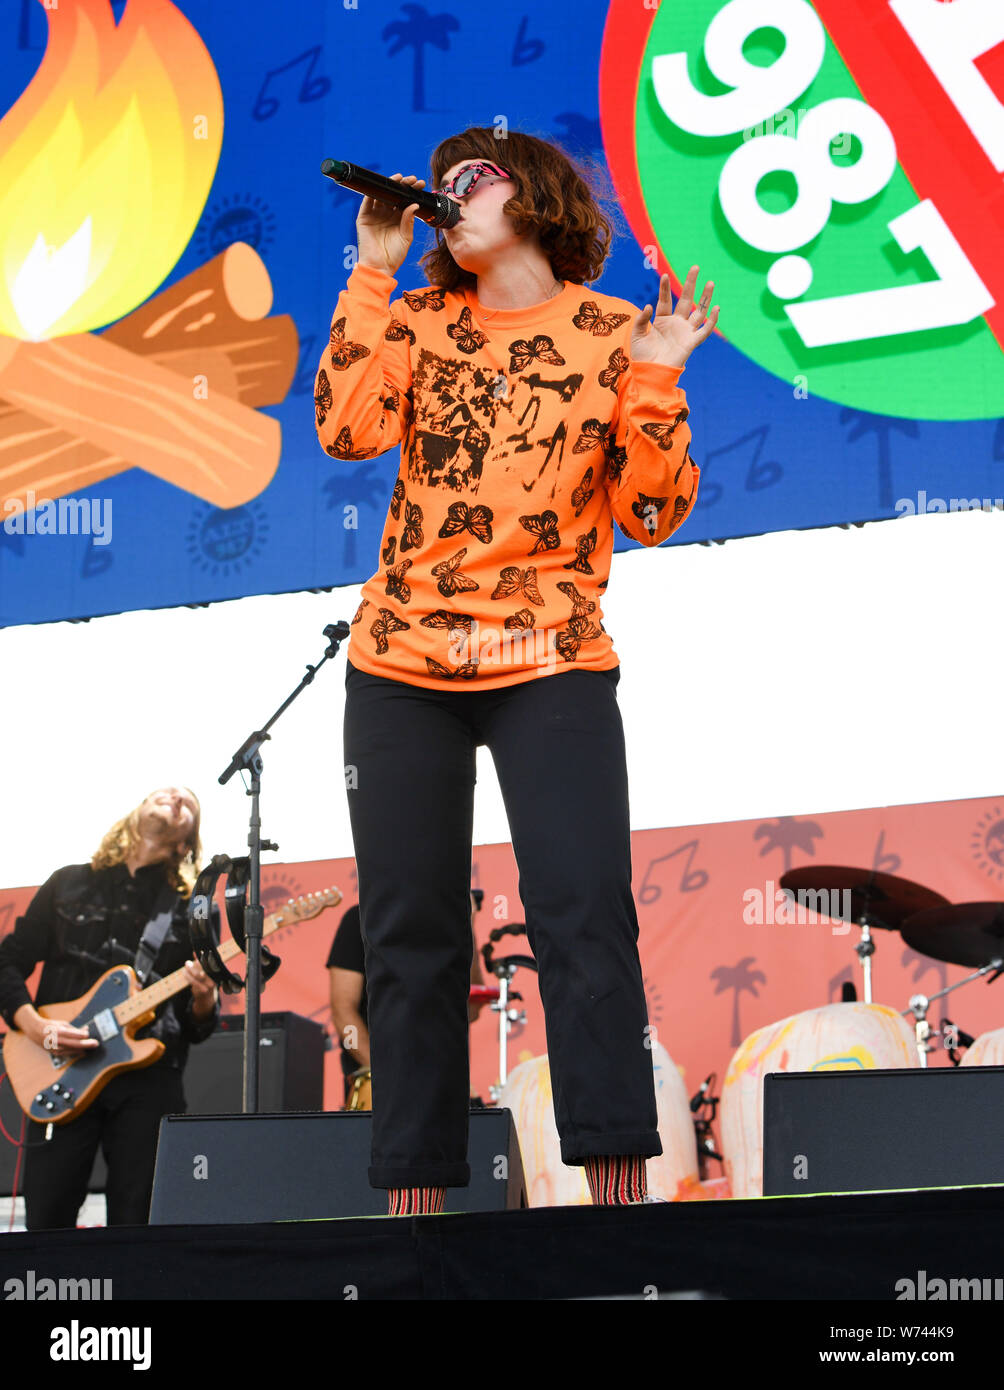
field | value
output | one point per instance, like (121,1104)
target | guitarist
(84,920)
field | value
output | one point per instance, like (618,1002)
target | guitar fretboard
(154,995)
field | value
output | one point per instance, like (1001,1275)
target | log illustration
(81,408)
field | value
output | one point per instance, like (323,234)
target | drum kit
(852,1035)
(958,933)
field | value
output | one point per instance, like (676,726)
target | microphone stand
(248,758)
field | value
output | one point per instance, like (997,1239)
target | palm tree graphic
(417,30)
(739,978)
(881,426)
(363,488)
(786,833)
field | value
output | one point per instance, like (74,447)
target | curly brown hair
(555,195)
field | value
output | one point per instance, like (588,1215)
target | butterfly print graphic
(568,641)
(359,612)
(581,606)
(464,334)
(679,511)
(425,299)
(412,538)
(344,353)
(397,497)
(387,554)
(396,586)
(545,527)
(584,547)
(513,580)
(382,626)
(594,435)
(617,364)
(322,397)
(396,331)
(582,493)
(452,622)
(450,579)
(392,400)
(662,432)
(522,619)
(602,584)
(461,517)
(592,321)
(644,508)
(542,349)
(467,671)
(342,447)
(616,462)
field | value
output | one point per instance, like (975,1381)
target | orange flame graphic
(106,161)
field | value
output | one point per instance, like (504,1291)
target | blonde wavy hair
(124,836)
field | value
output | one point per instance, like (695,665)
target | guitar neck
(178,980)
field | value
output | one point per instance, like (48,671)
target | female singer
(532,413)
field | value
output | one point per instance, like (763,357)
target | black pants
(124,1121)
(558,746)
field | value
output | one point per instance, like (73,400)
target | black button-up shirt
(82,922)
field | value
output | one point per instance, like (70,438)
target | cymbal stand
(864,950)
(504,971)
(920,1003)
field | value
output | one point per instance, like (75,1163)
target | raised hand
(671,336)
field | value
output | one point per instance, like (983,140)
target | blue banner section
(380,84)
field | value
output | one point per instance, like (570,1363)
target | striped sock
(415,1201)
(616,1179)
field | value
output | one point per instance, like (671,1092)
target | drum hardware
(703,1100)
(961,934)
(920,1003)
(866,898)
(361,1094)
(954,1038)
(504,969)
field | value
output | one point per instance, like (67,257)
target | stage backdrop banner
(718,960)
(172,257)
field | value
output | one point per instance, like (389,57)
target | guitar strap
(155,931)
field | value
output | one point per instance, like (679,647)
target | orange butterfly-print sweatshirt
(525,435)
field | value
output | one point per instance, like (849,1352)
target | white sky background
(800,672)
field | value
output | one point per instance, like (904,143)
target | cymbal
(962,933)
(887,899)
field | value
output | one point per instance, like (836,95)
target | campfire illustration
(106,162)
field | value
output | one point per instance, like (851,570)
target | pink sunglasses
(466,181)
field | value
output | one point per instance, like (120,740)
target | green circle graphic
(940,373)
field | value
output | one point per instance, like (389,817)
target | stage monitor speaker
(219,1169)
(290,1076)
(881,1131)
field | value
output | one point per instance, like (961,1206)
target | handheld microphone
(434,208)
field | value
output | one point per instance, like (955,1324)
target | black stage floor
(859,1247)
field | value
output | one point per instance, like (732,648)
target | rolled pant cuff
(421,1175)
(574,1152)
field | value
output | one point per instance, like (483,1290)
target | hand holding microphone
(384,232)
(385,224)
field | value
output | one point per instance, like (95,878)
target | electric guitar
(54,1088)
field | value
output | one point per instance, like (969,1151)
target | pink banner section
(720,958)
